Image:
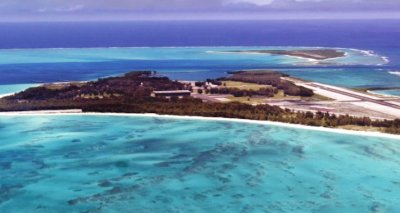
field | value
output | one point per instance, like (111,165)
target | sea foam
(395,73)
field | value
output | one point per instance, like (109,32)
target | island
(255,95)
(315,54)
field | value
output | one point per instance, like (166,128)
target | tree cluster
(134,97)
(136,85)
(270,78)
(264,92)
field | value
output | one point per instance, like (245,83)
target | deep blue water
(354,34)
(135,164)
(28,67)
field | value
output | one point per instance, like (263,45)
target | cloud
(192,5)
(254,2)
(158,8)
(62,9)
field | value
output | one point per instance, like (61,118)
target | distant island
(316,54)
(240,95)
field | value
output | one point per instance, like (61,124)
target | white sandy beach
(78,112)
(5,95)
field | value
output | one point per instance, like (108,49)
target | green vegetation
(271,78)
(264,92)
(244,85)
(131,86)
(317,54)
(131,93)
(254,84)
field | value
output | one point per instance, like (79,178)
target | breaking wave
(395,73)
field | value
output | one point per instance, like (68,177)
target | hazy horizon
(130,10)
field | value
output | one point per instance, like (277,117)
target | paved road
(363,98)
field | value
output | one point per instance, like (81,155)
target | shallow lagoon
(12,88)
(23,66)
(142,164)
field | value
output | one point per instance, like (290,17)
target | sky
(92,10)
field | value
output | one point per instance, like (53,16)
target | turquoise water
(9,89)
(22,66)
(394,92)
(138,164)
(70,55)
(362,77)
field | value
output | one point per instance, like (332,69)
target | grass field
(260,100)
(244,86)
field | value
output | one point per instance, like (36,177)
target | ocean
(90,163)
(362,34)
(33,53)
(73,163)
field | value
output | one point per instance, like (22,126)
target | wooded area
(131,93)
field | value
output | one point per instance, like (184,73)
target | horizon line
(199,20)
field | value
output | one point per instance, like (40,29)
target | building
(172,93)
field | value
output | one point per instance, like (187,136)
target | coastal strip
(314,54)
(364,103)
(5,95)
(384,95)
(78,112)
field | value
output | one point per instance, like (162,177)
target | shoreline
(78,112)
(384,95)
(312,60)
(5,95)
(189,46)
(311,54)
